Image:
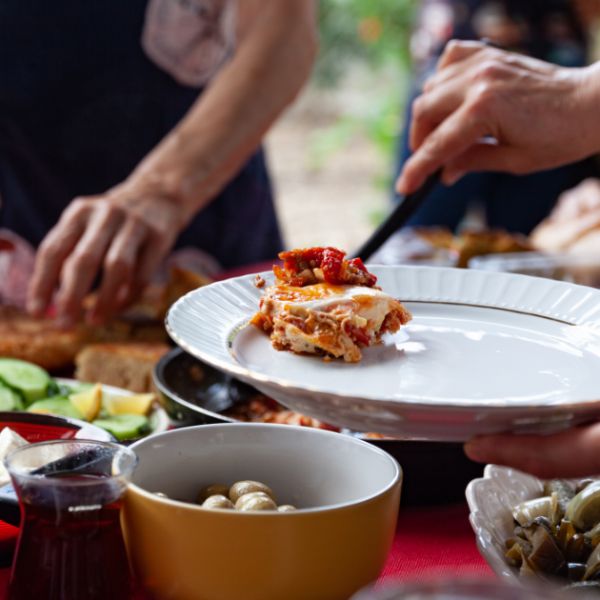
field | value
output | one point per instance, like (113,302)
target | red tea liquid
(71,545)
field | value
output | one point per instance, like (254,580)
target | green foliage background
(375,35)
(345,26)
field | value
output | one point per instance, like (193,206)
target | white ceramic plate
(485,352)
(158,418)
(491,500)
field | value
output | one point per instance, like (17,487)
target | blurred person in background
(490,110)
(128,128)
(552,30)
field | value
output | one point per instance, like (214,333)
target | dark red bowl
(36,428)
(42,428)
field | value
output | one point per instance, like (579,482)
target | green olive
(239,488)
(217,501)
(286,508)
(255,501)
(216,489)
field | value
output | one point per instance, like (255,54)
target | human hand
(122,234)
(572,453)
(490,110)
(578,201)
(576,215)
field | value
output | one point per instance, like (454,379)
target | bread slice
(39,341)
(126,365)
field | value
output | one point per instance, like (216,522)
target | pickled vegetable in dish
(558,534)
(326,305)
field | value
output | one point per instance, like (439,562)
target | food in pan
(323,304)
(259,408)
(558,534)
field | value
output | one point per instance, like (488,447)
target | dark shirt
(81,105)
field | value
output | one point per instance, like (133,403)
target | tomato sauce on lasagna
(326,305)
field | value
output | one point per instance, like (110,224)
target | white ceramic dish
(491,499)
(485,352)
(159,420)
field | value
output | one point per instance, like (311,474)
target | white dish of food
(157,419)
(484,352)
(491,499)
(527,528)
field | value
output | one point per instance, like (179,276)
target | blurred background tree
(365,41)
(374,32)
(332,153)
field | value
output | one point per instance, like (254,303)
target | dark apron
(81,105)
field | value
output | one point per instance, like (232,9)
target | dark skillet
(195,393)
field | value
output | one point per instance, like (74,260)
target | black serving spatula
(398,217)
(407,207)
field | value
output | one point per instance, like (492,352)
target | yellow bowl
(347,492)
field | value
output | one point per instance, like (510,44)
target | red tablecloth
(430,543)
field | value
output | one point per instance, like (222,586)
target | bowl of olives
(259,511)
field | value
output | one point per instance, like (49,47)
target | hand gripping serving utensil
(409,205)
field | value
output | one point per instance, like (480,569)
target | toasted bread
(126,365)
(39,341)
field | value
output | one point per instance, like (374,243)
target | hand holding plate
(572,453)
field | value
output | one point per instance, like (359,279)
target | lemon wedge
(88,402)
(138,404)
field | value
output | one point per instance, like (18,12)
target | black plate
(194,393)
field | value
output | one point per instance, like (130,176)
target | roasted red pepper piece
(332,264)
(298,266)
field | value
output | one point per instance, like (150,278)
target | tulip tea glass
(70,544)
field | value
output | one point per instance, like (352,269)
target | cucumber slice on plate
(57,405)
(124,427)
(29,379)
(9,399)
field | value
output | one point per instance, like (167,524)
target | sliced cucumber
(74,387)
(9,399)
(124,427)
(27,378)
(54,389)
(57,405)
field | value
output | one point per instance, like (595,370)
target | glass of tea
(70,545)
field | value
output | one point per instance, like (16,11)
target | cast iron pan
(196,393)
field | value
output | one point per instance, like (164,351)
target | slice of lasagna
(323,304)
